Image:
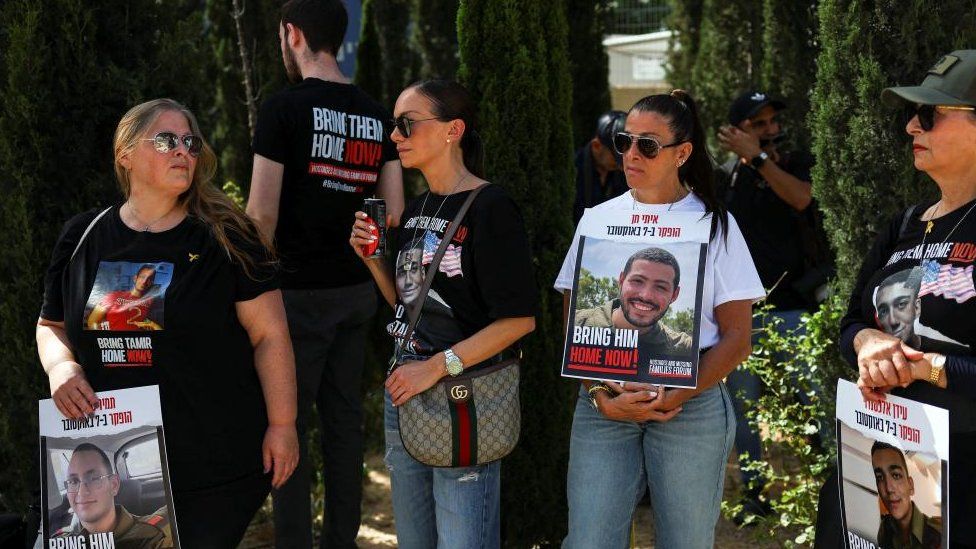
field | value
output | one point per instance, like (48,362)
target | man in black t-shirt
(768,192)
(320,149)
(599,176)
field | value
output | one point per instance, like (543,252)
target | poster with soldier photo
(635,307)
(893,470)
(104,478)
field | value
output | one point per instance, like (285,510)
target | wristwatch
(758,160)
(453,363)
(592,391)
(938,365)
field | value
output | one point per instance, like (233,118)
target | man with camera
(768,191)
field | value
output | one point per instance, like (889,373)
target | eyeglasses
(73,484)
(647,146)
(403,123)
(165,142)
(926,113)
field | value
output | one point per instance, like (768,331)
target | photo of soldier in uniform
(904,526)
(128,296)
(92,486)
(648,285)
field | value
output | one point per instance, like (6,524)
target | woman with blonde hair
(219,348)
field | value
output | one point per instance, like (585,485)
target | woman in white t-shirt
(675,441)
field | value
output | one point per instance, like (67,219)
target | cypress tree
(684,20)
(388,64)
(788,68)
(589,65)
(71,69)
(729,57)
(435,37)
(864,171)
(524,105)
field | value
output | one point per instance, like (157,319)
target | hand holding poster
(893,464)
(635,307)
(105,482)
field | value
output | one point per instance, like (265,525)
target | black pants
(328,332)
(962,499)
(217,518)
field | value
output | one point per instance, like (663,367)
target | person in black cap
(598,174)
(941,123)
(769,193)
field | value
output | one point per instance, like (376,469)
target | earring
(448,140)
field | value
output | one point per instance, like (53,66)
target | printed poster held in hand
(635,307)
(893,470)
(104,478)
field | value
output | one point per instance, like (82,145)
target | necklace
(931,224)
(677,196)
(423,205)
(134,214)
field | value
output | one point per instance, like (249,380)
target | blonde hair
(202,200)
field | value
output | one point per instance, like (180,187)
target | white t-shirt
(730,274)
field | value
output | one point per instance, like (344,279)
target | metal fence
(636,16)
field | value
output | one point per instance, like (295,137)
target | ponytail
(681,112)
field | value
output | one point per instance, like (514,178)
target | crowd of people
(258,318)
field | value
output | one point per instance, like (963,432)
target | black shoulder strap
(414,312)
(87,230)
(904,221)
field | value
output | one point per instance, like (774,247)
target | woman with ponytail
(674,441)
(481,302)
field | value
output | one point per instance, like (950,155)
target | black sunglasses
(647,146)
(926,113)
(165,142)
(403,123)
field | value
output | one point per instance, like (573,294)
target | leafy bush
(799,370)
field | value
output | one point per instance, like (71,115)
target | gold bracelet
(599,387)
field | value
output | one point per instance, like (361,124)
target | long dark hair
(679,109)
(452,102)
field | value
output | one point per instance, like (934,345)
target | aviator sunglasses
(165,142)
(403,123)
(647,146)
(926,113)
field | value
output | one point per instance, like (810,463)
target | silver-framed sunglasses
(165,142)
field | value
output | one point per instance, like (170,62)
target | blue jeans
(443,507)
(682,461)
(745,385)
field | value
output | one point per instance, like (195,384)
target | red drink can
(375,209)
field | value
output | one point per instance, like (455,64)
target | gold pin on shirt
(194,257)
(928,227)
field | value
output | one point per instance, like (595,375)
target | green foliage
(798,370)
(435,37)
(594,291)
(385,63)
(224,113)
(864,171)
(721,48)
(525,107)
(683,320)
(589,65)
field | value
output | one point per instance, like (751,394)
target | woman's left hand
(280,452)
(413,378)
(670,399)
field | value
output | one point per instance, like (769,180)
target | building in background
(637,46)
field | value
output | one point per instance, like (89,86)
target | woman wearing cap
(906,329)
(675,441)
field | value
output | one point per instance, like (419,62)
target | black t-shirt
(927,301)
(486,273)
(769,225)
(145,308)
(589,190)
(333,141)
